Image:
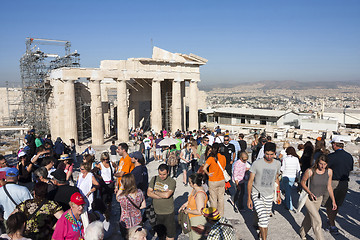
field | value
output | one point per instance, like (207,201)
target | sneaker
(334,230)
(185,184)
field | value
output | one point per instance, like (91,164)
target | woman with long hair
(320,177)
(196,202)
(131,201)
(320,148)
(290,168)
(254,144)
(306,159)
(216,177)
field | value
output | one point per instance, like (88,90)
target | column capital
(68,80)
(157,80)
(96,75)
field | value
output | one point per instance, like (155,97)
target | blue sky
(308,40)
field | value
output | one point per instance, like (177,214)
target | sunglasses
(82,169)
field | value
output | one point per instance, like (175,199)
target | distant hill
(288,84)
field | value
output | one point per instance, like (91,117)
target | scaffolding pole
(35,66)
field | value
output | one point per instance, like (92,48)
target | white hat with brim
(337,139)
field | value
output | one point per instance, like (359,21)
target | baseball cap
(77,198)
(12,172)
(59,175)
(211,213)
(137,155)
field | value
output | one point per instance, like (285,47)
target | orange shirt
(126,166)
(215,169)
(192,202)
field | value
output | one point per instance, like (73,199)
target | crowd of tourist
(40,199)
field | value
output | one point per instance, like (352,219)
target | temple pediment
(163,55)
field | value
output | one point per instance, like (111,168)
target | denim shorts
(183,166)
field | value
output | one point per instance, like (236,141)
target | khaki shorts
(340,189)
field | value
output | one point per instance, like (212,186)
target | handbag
(149,213)
(303,197)
(226,175)
(184,221)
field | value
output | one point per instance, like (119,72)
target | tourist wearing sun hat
(66,164)
(69,226)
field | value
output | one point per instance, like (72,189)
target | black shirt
(113,149)
(243,145)
(141,177)
(62,195)
(227,151)
(342,163)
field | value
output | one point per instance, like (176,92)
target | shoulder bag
(184,221)
(8,194)
(149,213)
(303,197)
(226,175)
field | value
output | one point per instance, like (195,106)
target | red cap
(77,198)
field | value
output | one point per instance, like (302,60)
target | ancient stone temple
(149,93)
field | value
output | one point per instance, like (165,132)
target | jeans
(288,183)
(239,195)
(147,155)
(174,170)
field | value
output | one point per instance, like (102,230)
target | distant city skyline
(244,41)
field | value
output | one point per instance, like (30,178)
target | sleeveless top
(318,183)
(192,202)
(106,173)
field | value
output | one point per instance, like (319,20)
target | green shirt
(163,206)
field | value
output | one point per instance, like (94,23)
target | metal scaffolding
(35,66)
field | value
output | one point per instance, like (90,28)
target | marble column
(97,120)
(69,114)
(55,124)
(105,109)
(193,106)
(156,116)
(176,106)
(122,111)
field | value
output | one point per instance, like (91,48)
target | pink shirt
(67,228)
(238,171)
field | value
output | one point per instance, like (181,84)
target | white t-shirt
(219,139)
(211,139)
(290,166)
(147,143)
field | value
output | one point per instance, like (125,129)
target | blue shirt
(237,148)
(17,192)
